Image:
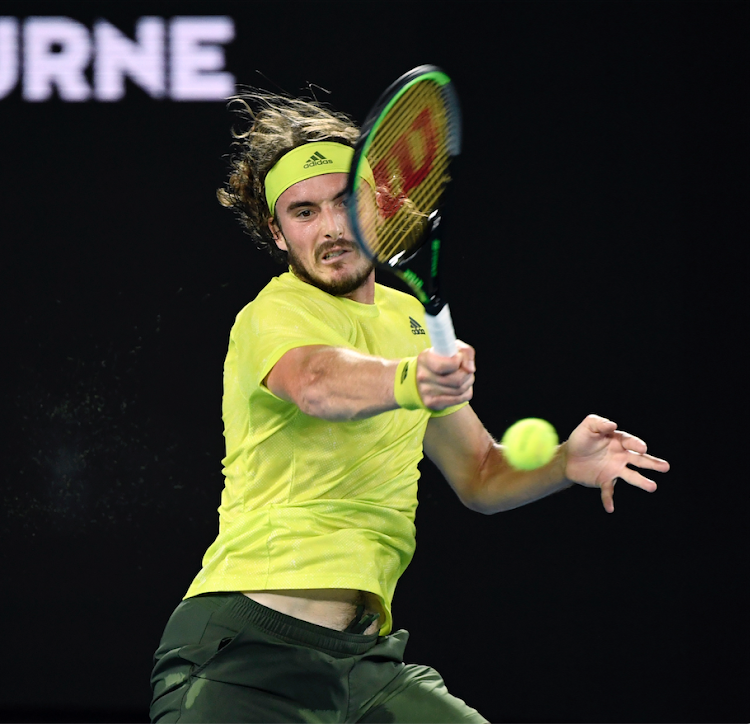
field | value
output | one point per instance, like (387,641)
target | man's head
(312,226)
(275,125)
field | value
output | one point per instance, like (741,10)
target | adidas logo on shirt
(317,159)
(416,327)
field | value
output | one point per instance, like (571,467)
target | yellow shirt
(309,503)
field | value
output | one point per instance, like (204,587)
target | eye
(304,213)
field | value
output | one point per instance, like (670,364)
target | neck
(365,293)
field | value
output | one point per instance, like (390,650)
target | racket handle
(442,335)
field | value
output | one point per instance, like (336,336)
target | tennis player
(331,396)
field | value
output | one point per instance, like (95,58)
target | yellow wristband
(405,385)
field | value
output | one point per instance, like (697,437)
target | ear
(278,237)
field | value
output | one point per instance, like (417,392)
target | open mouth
(334,254)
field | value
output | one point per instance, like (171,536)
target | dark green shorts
(226,658)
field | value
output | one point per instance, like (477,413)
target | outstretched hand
(598,454)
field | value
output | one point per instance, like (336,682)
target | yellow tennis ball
(529,443)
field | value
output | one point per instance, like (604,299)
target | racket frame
(427,289)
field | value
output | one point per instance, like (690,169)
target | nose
(333,223)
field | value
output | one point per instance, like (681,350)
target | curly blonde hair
(275,124)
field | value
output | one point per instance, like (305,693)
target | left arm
(595,455)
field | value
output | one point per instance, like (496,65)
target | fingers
(450,371)
(446,381)
(455,383)
(632,443)
(634,478)
(638,447)
(468,356)
(649,461)
(599,425)
(599,454)
(608,496)
(631,477)
(463,359)
(639,457)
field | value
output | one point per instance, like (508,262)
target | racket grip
(442,335)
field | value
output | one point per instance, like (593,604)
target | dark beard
(337,289)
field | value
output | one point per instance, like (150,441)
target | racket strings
(406,227)
(412,146)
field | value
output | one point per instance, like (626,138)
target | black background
(597,216)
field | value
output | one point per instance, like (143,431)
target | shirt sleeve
(271,326)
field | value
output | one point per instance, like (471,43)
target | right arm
(337,383)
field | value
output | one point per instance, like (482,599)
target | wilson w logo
(421,133)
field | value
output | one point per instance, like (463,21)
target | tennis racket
(397,183)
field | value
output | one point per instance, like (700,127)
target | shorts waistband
(293,630)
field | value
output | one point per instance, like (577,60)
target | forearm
(335,383)
(339,383)
(476,468)
(499,487)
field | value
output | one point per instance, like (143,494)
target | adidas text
(312,163)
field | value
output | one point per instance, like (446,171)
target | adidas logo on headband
(317,159)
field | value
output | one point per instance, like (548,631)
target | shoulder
(285,296)
(395,306)
(394,298)
(294,309)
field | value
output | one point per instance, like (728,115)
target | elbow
(485,509)
(316,403)
(322,408)
(308,393)
(484,496)
(306,377)
(478,503)
(314,397)
(478,507)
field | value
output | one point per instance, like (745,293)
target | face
(314,229)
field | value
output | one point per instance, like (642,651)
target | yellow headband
(304,162)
